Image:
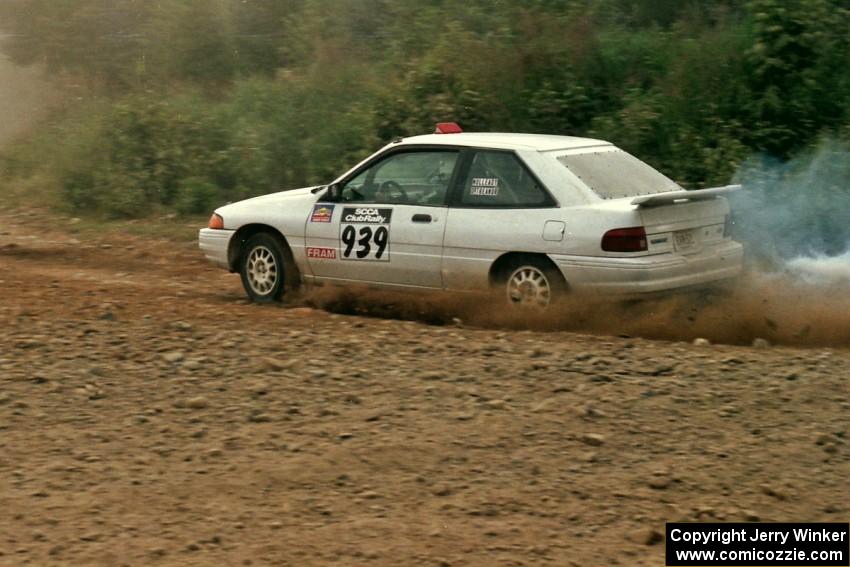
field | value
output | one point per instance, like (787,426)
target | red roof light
(447,128)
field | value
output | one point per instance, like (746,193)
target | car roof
(539,142)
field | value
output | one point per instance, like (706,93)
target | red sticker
(321,253)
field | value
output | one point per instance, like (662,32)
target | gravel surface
(150,416)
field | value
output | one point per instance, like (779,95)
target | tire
(531,283)
(264,268)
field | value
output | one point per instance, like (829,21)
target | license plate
(684,239)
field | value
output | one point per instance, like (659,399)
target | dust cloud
(795,215)
(822,270)
(25,98)
(777,307)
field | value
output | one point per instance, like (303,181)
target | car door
(497,206)
(387,224)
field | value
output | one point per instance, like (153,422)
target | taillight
(625,240)
(216,222)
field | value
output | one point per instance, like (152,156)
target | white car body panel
(475,238)
(412,257)
(455,249)
(650,274)
(567,189)
(285,211)
(214,244)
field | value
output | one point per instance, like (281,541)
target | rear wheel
(263,268)
(532,283)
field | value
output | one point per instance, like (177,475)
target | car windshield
(616,174)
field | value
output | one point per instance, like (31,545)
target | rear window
(616,174)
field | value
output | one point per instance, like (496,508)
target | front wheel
(531,283)
(263,268)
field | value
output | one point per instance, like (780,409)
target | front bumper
(214,243)
(649,274)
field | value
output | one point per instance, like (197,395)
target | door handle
(421,218)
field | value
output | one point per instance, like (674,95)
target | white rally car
(530,215)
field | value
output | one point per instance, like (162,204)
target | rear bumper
(649,274)
(214,244)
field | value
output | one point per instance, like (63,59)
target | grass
(33,198)
(168,227)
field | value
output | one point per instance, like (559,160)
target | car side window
(499,179)
(409,178)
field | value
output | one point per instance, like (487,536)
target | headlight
(216,222)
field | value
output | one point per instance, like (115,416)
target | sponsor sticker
(366,215)
(321,253)
(322,213)
(364,233)
(484,187)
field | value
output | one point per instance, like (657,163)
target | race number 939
(365,233)
(364,242)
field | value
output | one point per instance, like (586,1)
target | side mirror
(334,193)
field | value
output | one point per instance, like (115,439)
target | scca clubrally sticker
(365,233)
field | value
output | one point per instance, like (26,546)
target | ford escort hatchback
(531,216)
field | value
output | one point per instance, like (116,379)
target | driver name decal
(484,187)
(365,233)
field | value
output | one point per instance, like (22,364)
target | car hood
(270,199)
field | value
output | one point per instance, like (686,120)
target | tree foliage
(210,100)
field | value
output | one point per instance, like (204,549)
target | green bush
(212,101)
(197,195)
(186,152)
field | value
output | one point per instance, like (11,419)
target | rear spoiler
(674,196)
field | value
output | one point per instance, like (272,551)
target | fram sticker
(322,213)
(321,253)
(484,187)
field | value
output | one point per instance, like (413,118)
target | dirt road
(150,416)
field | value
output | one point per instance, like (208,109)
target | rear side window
(616,174)
(500,179)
